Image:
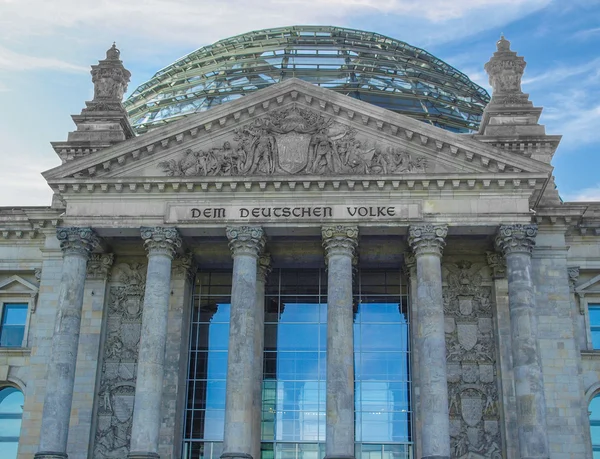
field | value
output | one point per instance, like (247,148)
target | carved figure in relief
(473,394)
(294,141)
(117,385)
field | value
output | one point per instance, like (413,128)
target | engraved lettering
(244,212)
(195,212)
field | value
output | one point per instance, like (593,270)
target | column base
(50,455)
(142,455)
(230,455)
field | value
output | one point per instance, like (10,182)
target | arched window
(11,412)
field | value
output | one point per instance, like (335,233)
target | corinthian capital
(339,240)
(77,241)
(516,239)
(161,241)
(427,239)
(246,240)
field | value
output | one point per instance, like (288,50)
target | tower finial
(113,53)
(503,44)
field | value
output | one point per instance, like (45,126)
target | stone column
(340,245)
(246,244)
(263,270)
(161,245)
(516,242)
(76,244)
(427,242)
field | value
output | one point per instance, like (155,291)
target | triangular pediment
(292,130)
(16,284)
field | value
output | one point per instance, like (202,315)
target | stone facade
(500,272)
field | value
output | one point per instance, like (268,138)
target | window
(12,328)
(11,412)
(594,311)
(594,409)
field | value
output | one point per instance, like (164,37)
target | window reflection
(209,340)
(594,410)
(294,371)
(11,412)
(294,366)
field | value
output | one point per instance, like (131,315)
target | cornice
(459,148)
(28,222)
(522,182)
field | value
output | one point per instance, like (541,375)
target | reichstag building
(302,243)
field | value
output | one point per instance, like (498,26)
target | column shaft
(246,244)
(259,339)
(161,244)
(427,241)
(76,243)
(340,243)
(516,242)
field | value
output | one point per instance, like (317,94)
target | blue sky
(46,48)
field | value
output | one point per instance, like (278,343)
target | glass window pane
(594,311)
(596,339)
(11,411)
(14,314)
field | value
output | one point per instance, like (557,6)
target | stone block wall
(559,348)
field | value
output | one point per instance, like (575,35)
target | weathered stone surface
(517,242)
(161,244)
(76,244)
(427,242)
(474,408)
(340,244)
(246,244)
(116,392)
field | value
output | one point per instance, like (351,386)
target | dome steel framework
(364,65)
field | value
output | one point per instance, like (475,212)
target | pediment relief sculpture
(295,141)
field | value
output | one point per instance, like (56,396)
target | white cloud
(563,72)
(586,194)
(194,22)
(12,61)
(586,34)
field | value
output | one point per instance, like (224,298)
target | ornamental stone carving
(339,240)
(497,264)
(473,398)
(263,267)
(99,265)
(184,266)
(427,239)
(161,240)
(77,241)
(116,394)
(295,141)
(505,70)
(573,273)
(516,239)
(246,240)
(110,79)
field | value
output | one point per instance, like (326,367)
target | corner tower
(104,121)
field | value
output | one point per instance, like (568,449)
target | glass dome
(367,66)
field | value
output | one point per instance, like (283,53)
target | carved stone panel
(471,356)
(295,140)
(115,396)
